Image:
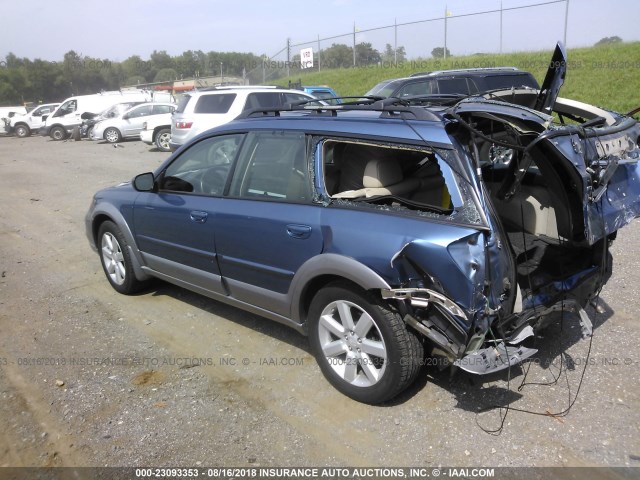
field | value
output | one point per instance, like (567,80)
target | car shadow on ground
(473,393)
(562,353)
(246,319)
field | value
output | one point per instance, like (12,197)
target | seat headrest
(381,173)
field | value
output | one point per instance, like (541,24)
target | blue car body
(470,250)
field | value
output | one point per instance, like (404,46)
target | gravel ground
(89,377)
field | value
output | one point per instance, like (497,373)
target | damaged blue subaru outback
(389,229)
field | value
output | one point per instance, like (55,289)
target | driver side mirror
(145,182)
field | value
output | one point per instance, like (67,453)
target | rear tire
(363,348)
(116,260)
(58,133)
(162,139)
(22,130)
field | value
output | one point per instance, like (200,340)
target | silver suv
(205,109)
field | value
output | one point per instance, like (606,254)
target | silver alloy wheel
(352,343)
(21,131)
(113,258)
(162,141)
(111,135)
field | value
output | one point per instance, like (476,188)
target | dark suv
(463,82)
(385,231)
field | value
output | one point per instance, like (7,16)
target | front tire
(22,131)
(116,260)
(58,133)
(162,139)
(112,135)
(363,348)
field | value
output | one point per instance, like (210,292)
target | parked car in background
(323,92)
(454,82)
(69,114)
(157,131)
(199,111)
(5,116)
(90,119)
(22,124)
(385,229)
(129,123)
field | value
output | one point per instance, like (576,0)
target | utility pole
(288,57)
(318,52)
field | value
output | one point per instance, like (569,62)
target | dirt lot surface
(89,377)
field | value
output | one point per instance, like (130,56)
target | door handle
(199,217)
(299,231)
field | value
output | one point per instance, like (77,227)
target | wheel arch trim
(330,265)
(106,212)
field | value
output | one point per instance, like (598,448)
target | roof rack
(242,87)
(388,107)
(465,70)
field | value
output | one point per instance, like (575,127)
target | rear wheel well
(157,129)
(317,284)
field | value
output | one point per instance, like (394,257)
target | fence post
(354,43)
(395,42)
(446,10)
(288,57)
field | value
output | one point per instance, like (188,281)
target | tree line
(24,80)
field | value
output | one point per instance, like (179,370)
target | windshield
(67,107)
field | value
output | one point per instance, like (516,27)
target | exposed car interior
(385,175)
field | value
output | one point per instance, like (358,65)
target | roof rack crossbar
(388,107)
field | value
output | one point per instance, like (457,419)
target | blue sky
(117,29)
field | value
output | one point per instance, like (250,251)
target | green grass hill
(607,76)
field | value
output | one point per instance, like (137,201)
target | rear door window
(215,103)
(273,166)
(453,85)
(263,100)
(159,109)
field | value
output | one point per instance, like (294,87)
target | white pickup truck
(5,117)
(23,124)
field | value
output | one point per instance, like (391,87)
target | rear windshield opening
(385,175)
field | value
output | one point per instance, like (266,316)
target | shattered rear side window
(402,179)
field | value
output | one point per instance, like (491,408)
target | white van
(69,114)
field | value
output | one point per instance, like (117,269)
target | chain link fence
(432,33)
